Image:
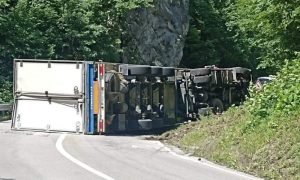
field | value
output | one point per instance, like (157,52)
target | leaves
(268,28)
(209,42)
(259,34)
(281,96)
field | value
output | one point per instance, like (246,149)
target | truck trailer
(100,98)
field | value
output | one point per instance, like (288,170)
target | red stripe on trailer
(101,70)
(101,116)
(101,125)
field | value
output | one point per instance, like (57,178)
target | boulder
(156,35)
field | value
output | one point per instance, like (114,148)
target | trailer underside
(98,97)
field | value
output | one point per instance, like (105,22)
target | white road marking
(61,149)
(209,164)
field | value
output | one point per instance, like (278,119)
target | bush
(280,97)
(5,91)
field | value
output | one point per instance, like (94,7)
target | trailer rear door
(49,95)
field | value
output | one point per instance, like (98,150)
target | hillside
(261,137)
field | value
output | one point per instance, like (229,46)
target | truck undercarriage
(111,97)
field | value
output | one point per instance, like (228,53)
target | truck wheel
(145,124)
(201,79)
(240,70)
(168,71)
(137,70)
(200,72)
(204,96)
(217,106)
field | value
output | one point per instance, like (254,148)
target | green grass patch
(267,151)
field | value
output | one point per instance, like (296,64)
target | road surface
(36,155)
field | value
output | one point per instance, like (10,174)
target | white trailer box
(49,95)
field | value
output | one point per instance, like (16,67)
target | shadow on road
(150,133)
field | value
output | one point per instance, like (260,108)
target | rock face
(156,35)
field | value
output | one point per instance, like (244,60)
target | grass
(270,150)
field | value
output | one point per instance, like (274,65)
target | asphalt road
(37,155)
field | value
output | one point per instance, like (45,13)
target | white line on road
(209,164)
(61,149)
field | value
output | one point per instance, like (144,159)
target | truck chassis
(124,97)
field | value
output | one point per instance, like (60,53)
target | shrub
(280,97)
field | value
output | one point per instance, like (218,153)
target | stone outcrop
(156,34)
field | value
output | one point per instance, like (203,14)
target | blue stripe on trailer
(87,101)
(91,99)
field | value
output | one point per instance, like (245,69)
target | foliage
(65,29)
(208,41)
(5,90)
(270,150)
(250,33)
(265,152)
(268,28)
(282,96)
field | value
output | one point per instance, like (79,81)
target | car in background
(261,81)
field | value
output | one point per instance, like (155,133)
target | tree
(269,29)
(72,29)
(209,42)
(260,34)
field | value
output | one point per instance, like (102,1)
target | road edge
(205,162)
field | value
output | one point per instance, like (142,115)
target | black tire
(168,71)
(240,70)
(145,124)
(204,96)
(217,106)
(200,72)
(201,79)
(139,70)
(156,71)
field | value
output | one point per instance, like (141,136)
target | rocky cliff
(156,35)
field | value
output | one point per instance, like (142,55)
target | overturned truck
(98,97)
